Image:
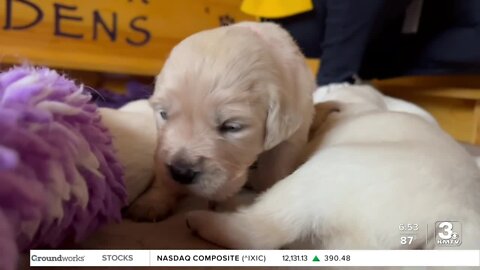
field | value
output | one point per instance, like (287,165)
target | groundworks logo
(59,258)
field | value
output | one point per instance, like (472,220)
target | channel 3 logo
(448,233)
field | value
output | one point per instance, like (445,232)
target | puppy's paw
(152,207)
(237,230)
(210,226)
(197,220)
(242,199)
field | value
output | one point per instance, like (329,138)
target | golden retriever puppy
(226,99)
(368,171)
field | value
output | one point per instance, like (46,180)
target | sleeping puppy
(226,99)
(367,170)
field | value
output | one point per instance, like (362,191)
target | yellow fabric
(275,8)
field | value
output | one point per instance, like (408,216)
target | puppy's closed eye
(163,114)
(160,107)
(230,127)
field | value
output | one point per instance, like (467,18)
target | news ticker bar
(299,258)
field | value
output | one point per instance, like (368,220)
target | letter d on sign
(8,18)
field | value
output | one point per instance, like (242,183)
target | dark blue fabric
(364,38)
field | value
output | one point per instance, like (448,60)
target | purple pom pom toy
(59,175)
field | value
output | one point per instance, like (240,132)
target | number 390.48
(336,258)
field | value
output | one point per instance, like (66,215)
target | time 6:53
(408,227)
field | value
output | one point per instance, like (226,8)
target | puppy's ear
(322,111)
(283,119)
(290,96)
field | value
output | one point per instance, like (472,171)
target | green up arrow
(316,259)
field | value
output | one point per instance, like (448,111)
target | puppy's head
(223,97)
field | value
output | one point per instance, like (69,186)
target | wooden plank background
(120,36)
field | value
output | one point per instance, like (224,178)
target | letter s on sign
(145,32)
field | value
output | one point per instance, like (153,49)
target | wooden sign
(123,36)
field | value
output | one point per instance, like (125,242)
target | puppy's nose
(182,173)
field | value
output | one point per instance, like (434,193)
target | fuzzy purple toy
(59,176)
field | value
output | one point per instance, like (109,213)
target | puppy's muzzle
(183,173)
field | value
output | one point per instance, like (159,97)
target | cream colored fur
(323,93)
(368,170)
(249,74)
(134,138)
